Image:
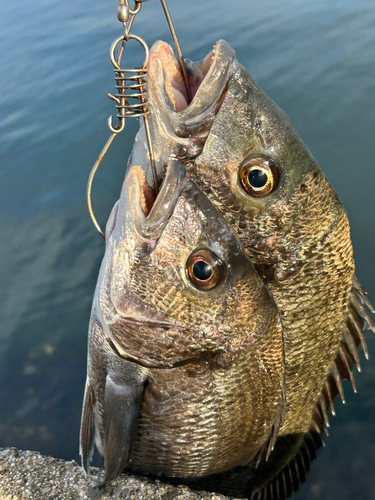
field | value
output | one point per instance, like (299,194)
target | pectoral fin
(86,445)
(111,403)
(122,402)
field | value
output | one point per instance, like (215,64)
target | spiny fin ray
(352,348)
(269,445)
(290,479)
(360,291)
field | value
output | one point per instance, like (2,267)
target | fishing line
(131,95)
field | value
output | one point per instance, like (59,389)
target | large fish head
(177,277)
(240,148)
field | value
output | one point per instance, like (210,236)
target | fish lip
(203,107)
(150,226)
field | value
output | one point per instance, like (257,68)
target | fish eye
(204,269)
(259,175)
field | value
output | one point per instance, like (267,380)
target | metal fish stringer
(131,97)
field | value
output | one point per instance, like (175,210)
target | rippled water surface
(315,59)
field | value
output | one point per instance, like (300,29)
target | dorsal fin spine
(362,311)
(329,399)
(349,374)
(352,348)
(338,381)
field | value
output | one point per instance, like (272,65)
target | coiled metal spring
(132,96)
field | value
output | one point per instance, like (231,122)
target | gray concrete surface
(27,475)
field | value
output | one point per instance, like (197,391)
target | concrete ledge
(27,475)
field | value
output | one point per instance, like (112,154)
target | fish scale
(231,408)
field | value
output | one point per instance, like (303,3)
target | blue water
(315,59)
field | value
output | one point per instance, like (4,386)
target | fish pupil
(202,271)
(257,178)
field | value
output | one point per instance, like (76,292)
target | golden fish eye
(205,270)
(258,175)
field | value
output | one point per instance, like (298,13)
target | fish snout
(152,213)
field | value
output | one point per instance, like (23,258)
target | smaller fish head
(253,154)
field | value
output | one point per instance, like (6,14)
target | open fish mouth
(208,81)
(151,213)
(179,129)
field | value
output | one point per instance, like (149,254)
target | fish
(245,155)
(185,373)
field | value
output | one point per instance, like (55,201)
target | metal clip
(131,85)
(131,97)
